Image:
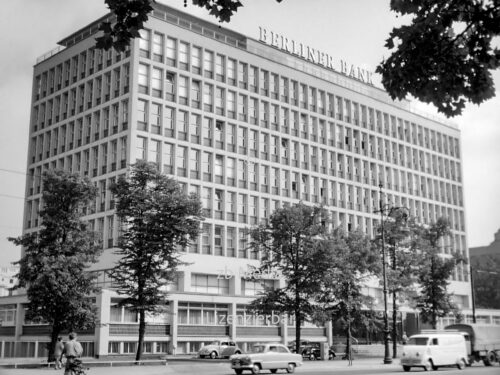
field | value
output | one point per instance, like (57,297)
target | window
(242,75)
(169,121)
(144,43)
(207,97)
(142,115)
(171,52)
(196,60)
(155,118)
(183,90)
(182,125)
(158,47)
(231,72)
(209,284)
(156,84)
(194,128)
(208,64)
(170,86)
(8,315)
(195,93)
(143,78)
(168,158)
(219,68)
(183,56)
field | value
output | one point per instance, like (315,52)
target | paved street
(359,367)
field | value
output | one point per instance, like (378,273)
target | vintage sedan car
(219,349)
(271,357)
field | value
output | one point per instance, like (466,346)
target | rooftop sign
(313,55)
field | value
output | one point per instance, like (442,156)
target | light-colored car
(219,349)
(271,357)
(432,349)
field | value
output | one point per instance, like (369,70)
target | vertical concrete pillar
(174,309)
(329,334)
(231,318)
(19,328)
(284,329)
(235,282)
(104,316)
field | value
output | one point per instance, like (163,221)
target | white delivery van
(431,349)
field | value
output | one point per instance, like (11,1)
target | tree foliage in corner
(444,56)
(158,218)
(132,14)
(292,244)
(434,273)
(55,261)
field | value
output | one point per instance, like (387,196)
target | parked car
(271,357)
(219,349)
(311,350)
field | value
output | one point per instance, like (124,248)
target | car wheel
(406,368)
(290,368)
(238,372)
(312,357)
(461,364)
(428,366)
(256,368)
(213,355)
(489,359)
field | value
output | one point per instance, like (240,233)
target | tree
(132,14)
(402,242)
(54,267)
(291,243)
(351,260)
(487,282)
(434,272)
(444,56)
(158,218)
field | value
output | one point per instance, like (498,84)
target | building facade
(250,125)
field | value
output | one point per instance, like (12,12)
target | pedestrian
(73,351)
(58,353)
(405,338)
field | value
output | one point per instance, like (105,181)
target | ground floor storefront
(187,322)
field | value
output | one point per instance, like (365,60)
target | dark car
(311,350)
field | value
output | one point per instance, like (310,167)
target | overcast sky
(352,30)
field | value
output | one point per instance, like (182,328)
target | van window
(421,341)
(435,342)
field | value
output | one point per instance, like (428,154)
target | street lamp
(387,355)
(382,209)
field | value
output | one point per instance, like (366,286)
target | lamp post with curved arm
(382,210)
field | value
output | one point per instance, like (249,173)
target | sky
(352,30)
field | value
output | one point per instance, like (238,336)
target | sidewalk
(207,367)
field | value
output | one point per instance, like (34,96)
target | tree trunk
(142,331)
(297,331)
(394,326)
(56,330)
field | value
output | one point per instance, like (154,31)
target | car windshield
(420,341)
(258,349)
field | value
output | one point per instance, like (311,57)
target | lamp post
(387,355)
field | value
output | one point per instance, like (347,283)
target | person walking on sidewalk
(58,353)
(73,351)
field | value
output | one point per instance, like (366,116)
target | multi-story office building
(250,125)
